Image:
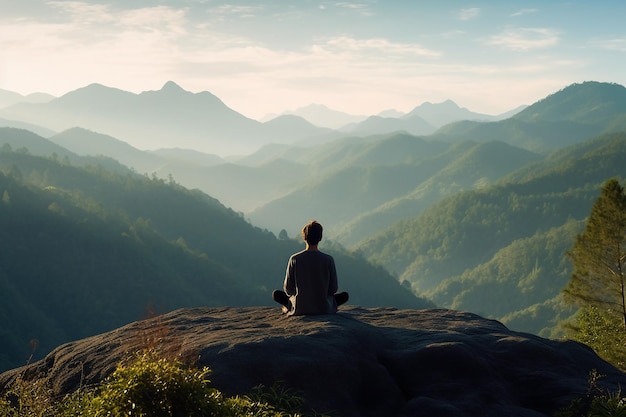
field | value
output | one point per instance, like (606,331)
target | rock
(359,362)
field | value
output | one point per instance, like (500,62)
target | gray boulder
(359,362)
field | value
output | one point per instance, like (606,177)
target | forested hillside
(499,251)
(361,188)
(84,250)
(568,116)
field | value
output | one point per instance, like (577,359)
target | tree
(597,283)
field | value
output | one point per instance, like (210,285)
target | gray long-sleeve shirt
(311,282)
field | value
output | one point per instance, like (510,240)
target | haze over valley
(154,157)
(476,216)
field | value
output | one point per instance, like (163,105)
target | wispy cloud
(468,14)
(523,12)
(525,39)
(360,8)
(237,10)
(615,44)
(382,47)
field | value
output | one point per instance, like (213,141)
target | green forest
(478,216)
(501,251)
(87,249)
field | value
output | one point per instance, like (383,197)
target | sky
(359,57)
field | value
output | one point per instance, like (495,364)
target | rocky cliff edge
(359,362)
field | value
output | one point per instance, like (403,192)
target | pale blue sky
(360,57)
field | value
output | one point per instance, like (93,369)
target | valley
(171,199)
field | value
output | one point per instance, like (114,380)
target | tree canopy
(599,252)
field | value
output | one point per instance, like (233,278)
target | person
(310,285)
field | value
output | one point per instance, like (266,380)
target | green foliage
(519,284)
(149,385)
(607,100)
(112,245)
(499,251)
(598,402)
(26,399)
(601,329)
(599,254)
(597,284)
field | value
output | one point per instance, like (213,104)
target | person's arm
(333,286)
(290,281)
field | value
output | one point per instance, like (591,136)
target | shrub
(597,402)
(149,385)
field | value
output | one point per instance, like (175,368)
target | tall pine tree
(597,285)
(599,254)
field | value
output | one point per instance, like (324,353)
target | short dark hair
(312,232)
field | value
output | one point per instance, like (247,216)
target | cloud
(525,39)
(616,44)
(380,46)
(361,8)
(523,12)
(237,10)
(468,14)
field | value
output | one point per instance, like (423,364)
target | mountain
(481,249)
(8,98)
(41,131)
(441,114)
(86,249)
(535,136)
(375,125)
(566,117)
(464,166)
(322,116)
(391,113)
(189,156)
(154,119)
(591,102)
(304,129)
(84,142)
(241,187)
(398,177)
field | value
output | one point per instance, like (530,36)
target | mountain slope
(441,114)
(108,247)
(590,102)
(84,142)
(566,117)
(393,178)
(165,118)
(464,166)
(376,125)
(463,232)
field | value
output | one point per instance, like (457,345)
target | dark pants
(282,298)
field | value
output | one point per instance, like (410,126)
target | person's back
(311,279)
(314,283)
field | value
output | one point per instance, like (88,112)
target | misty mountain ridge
(322,116)
(446,112)
(263,181)
(9,98)
(201,121)
(590,102)
(432,115)
(150,120)
(443,212)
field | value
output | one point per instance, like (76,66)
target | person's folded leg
(341,298)
(281,297)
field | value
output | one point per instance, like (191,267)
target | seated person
(311,279)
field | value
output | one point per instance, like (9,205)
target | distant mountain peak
(447,104)
(171,86)
(587,102)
